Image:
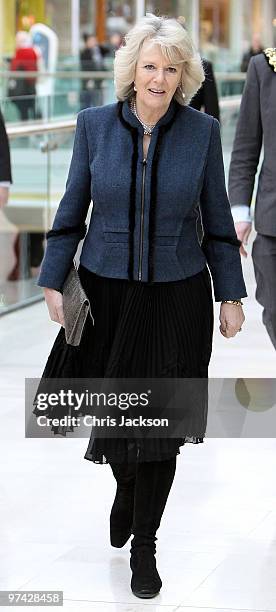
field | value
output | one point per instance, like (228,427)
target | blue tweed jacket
(145,213)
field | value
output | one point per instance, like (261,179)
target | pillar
(75,27)
(101,20)
(7,27)
(236,31)
(257,15)
(140,9)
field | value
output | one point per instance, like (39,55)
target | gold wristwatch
(235,302)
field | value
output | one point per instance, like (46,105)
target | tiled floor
(217,541)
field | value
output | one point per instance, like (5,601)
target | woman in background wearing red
(26,58)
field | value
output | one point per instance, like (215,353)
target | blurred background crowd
(56,57)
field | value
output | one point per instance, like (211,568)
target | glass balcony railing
(62,94)
(40,159)
(40,155)
(230,83)
(59,94)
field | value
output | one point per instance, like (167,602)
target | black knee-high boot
(153,483)
(121,516)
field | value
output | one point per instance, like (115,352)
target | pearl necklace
(148,128)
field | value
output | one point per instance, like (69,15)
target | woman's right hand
(54,303)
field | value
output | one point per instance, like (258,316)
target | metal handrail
(65,74)
(230,76)
(230,102)
(40,127)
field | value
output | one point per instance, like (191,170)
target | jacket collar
(130,118)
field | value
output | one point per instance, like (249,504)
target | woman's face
(154,74)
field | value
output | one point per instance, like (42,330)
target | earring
(181,91)
(134,87)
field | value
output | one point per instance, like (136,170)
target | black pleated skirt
(140,330)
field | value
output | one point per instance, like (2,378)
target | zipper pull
(144,161)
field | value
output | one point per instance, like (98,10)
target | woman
(26,59)
(146,161)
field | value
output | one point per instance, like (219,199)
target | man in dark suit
(256,127)
(5,164)
(91,60)
(206,97)
(255,48)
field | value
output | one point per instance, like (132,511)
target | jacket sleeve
(220,243)
(247,143)
(5,161)
(71,213)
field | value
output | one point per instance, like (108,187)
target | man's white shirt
(241,213)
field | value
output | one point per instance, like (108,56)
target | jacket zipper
(142,222)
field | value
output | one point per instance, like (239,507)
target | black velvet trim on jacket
(153,200)
(74,229)
(132,193)
(230,239)
(153,197)
(153,191)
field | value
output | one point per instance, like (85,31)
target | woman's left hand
(231,319)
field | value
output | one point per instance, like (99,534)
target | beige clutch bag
(76,307)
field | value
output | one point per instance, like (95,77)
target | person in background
(5,164)
(116,39)
(91,60)
(115,42)
(257,126)
(255,48)
(206,98)
(36,249)
(5,182)
(26,58)
(208,40)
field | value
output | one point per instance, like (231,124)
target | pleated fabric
(140,330)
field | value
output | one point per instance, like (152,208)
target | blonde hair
(177,47)
(23,39)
